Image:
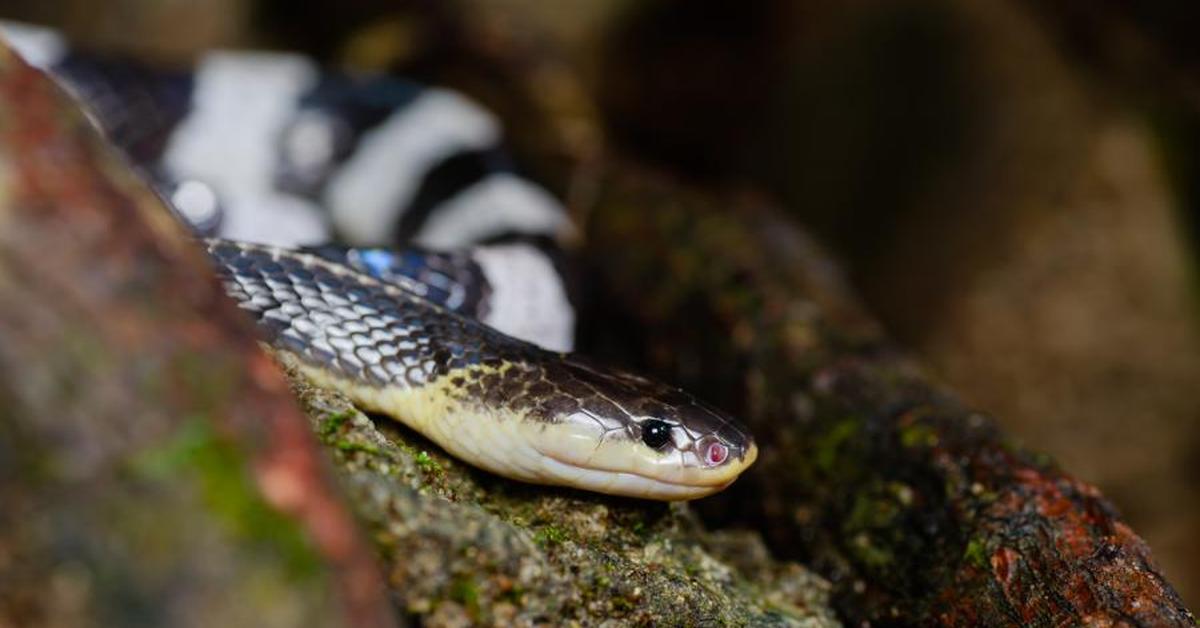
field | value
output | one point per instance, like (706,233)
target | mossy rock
(460,546)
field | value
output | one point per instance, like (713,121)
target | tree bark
(915,505)
(153,468)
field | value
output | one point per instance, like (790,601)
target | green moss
(622,604)
(513,594)
(332,424)
(198,453)
(165,461)
(872,511)
(427,463)
(976,553)
(539,551)
(872,519)
(868,553)
(550,535)
(828,445)
(348,446)
(466,592)
(918,435)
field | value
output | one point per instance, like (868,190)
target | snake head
(628,435)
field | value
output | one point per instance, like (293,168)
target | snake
(441,307)
(499,403)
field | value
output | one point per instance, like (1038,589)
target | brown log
(153,468)
(915,505)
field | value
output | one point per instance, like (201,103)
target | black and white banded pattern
(266,148)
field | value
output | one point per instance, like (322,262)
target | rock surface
(461,546)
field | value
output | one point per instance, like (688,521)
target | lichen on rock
(460,546)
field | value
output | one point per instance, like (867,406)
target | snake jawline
(514,446)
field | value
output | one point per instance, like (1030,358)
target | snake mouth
(633,484)
(574,457)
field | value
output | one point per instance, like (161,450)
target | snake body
(502,404)
(266,148)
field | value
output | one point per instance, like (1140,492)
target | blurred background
(1013,185)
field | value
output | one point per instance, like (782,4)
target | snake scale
(266,148)
(502,404)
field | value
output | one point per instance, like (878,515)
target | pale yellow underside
(509,444)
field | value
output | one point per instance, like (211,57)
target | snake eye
(712,451)
(655,433)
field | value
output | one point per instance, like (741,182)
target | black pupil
(655,433)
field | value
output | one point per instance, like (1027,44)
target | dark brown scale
(569,385)
(651,407)
(603,407)
(557,405)
(539,388)
(518,373)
